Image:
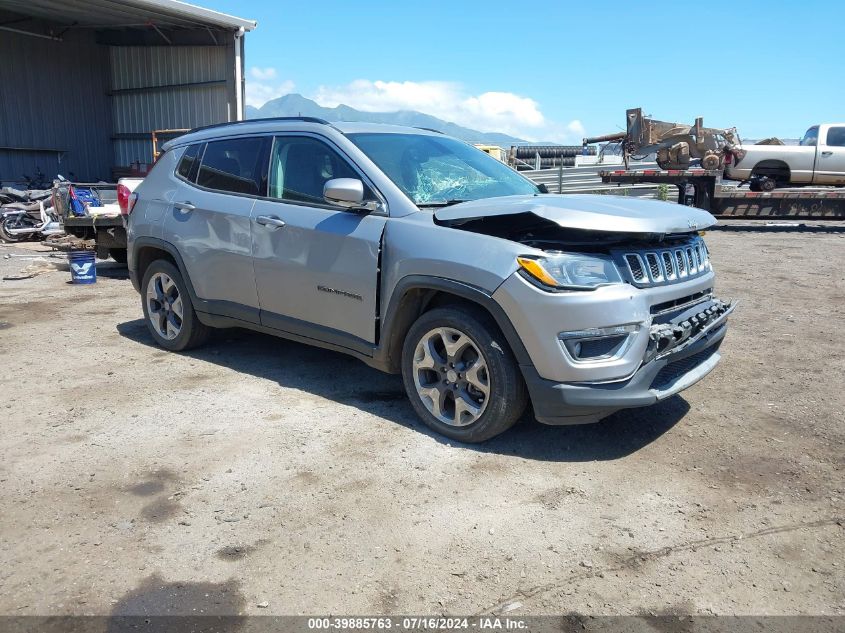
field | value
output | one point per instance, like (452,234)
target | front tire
(168,309)
(461,376)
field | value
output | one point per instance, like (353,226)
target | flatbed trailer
(707,190)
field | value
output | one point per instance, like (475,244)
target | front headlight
(571,271)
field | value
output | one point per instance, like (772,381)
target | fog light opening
(598,344)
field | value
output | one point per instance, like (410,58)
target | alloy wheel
(164,306)
(451,376)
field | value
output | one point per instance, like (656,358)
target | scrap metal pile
(44,214)
(27,214)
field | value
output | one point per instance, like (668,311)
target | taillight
(126,199)
(729,158)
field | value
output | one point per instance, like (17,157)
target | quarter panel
(155,194)
(799,159)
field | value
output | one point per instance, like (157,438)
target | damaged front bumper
(684,329)
(681,352)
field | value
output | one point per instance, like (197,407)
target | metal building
(84,82)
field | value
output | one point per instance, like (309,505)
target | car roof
(289,124)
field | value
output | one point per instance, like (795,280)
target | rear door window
(233,165)
(836,136)
(187,165)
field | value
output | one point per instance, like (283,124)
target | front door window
(300,167)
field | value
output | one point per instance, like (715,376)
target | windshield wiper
(444,203)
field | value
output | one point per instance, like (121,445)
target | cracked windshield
(435,171)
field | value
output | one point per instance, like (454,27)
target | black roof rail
(306,119)
(428,129)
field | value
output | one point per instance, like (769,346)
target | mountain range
(297,105)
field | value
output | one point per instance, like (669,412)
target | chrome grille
(703,256)
(635,265)
(654,267)
(660,266)
(669,265)
(682,263)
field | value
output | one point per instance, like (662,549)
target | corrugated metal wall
(98,104)
(53,97)
(151,90)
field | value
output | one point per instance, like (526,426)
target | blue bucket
(83,269)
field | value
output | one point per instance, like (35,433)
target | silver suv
(422,255)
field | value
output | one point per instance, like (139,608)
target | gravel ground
(261,476)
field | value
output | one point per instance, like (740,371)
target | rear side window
(836,136)
(811,137)
(186,165)
(233,165)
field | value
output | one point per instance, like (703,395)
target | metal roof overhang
(114,14)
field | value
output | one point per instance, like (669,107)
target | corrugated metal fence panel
(587,180)
(176,105)
(54,97)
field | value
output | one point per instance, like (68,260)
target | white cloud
(261,87)
(262,74)
(576,128)
(571,133)
(489,111)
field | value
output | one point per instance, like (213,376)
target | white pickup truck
(819,159)
(104,222)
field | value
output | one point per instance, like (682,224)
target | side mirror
(543,188)
(347,193)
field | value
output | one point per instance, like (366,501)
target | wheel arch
(774,168)
(417,294)
(146,250)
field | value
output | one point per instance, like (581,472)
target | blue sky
(768,68)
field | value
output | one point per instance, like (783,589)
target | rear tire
(769,176)
(5,235)
(768,184)
(461,376)
(168,310)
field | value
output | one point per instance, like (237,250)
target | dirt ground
(261,476)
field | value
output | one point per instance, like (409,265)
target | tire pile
(550,155)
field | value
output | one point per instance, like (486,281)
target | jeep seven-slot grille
(635,265)
(661,266)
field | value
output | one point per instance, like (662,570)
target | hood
(589,212)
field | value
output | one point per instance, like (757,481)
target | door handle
(184,207)
(827,153)
(270,220)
